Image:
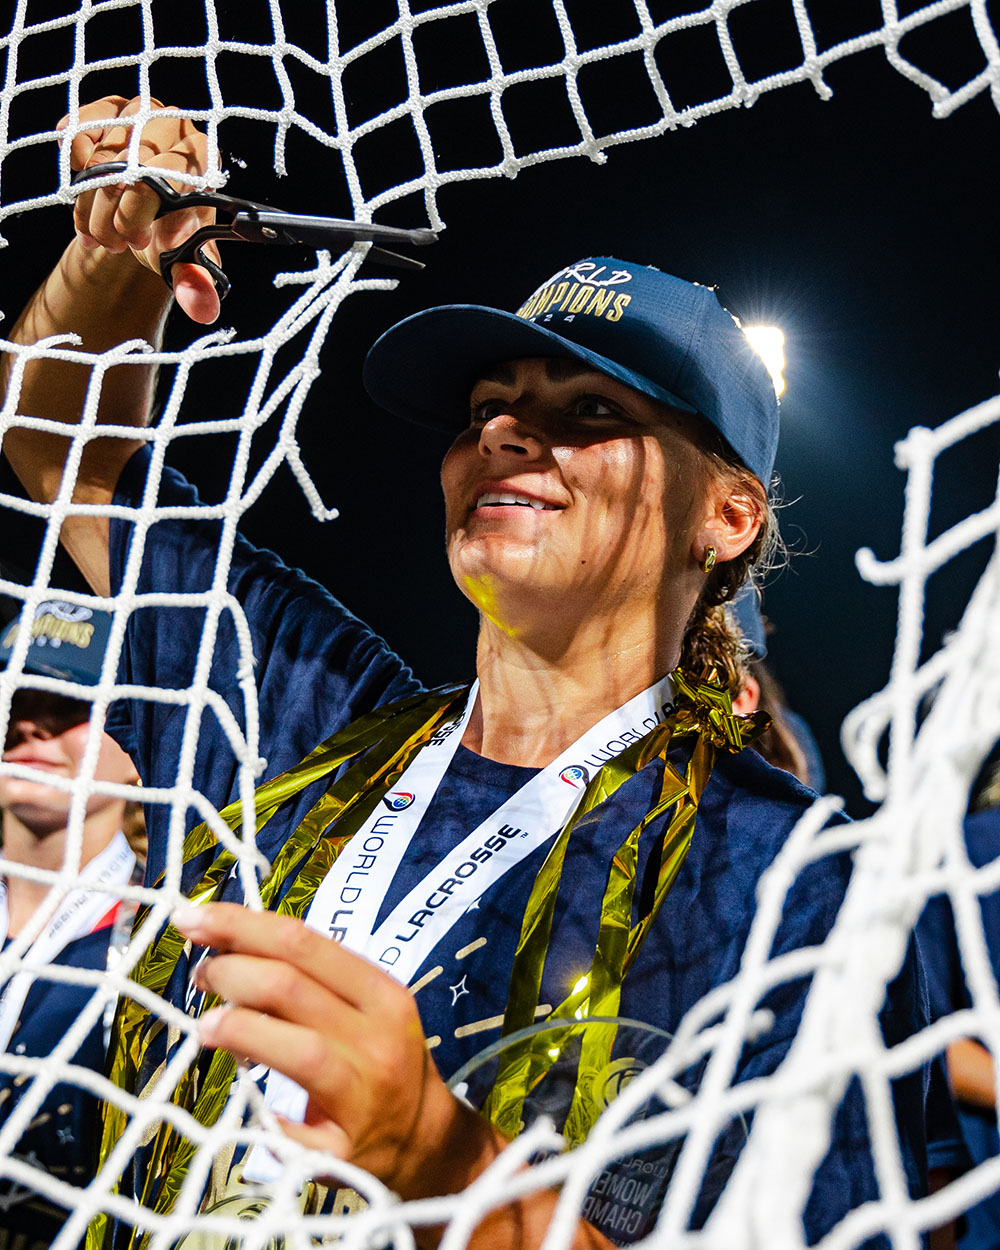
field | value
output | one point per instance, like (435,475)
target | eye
(485,411)
(597,408)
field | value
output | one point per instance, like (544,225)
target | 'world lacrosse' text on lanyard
(348,900)
(335,868)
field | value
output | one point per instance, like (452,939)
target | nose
(23,729)
(508,433)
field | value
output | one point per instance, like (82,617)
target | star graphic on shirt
(458,990)
(65,1136)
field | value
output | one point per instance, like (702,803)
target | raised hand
(349,1035)
(120,218)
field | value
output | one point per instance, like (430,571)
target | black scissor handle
(259,223)
(171,200)
(191,251)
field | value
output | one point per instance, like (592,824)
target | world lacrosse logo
(397,800)
(575,775)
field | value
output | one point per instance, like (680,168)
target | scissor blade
(276,227)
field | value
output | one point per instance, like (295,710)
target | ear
(748,699)
(732,521)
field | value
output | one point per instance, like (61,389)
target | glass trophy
(624,1199)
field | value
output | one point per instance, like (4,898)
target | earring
(708,562)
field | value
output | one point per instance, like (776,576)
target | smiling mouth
(505,499)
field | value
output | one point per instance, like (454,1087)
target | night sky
(862,226)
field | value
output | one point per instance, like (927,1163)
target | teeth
(506,497)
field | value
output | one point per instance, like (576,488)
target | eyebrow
(557,369)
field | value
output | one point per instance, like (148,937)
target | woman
(605,491)
(81,928)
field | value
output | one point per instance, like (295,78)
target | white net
(453,93)
(356,63)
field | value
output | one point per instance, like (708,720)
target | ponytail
(712,641)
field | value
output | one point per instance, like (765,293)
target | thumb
(319,1133)
(195,292)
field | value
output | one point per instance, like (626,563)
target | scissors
(259,223)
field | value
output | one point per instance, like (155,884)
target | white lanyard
(76,915)
(347,902)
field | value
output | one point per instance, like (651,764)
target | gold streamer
(704,711)
(388,739)
(392,735)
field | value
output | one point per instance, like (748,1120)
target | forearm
(970,1073)
(105,299)
(519,1225)
(468,1147)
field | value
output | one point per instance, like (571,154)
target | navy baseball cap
(745,609)
(67,641)
(667,338)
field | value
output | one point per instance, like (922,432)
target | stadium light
(769,344)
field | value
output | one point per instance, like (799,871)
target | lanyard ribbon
(704,712)
(348,900)
(388,738)
(78,913)
(301,882)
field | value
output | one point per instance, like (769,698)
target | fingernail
(86,240)
(189,920)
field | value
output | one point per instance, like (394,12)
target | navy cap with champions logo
(67,641)
(667,338)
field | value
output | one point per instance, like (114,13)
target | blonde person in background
(788,742)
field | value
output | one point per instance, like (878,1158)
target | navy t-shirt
(949,992)
(315,668)
(63,1134)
